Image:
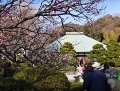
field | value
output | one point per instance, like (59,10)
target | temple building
(81,43)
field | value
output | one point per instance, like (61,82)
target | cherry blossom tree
(25,25)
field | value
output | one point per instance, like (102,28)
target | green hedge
(76,86)
(10,84)
(68,68)
(39,79)
(9,72)
(44,79)
(55,82)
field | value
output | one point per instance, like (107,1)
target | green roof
(80,42)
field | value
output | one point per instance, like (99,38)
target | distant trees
(103,29)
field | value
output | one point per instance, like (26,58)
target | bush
(20,75)
(9,72)
(68,68)
(76,86)
(45,79)
(55,82)
(10,84)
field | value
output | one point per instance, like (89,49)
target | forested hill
(103,29)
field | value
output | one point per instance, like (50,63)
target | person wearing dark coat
(88,70)
(96,80)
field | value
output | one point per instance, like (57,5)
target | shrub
(10,84)
(55,82)
(68,68)
(45,79)
(76,86)
(9,72)
(20,75)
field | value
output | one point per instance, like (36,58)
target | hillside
(103,29)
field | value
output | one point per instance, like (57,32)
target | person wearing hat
(117,84)
(112,75)
(96,80)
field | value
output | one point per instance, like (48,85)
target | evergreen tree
(68,53)
(98,53)
(113,52)
(67,47)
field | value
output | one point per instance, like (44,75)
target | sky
(112,8)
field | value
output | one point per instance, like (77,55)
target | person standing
(117,84)
(96,80)
(112,75)
(88,70)
(105,67)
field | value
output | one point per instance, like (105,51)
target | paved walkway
(71,78)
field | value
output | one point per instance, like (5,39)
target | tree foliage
(98,53)
(113,50)
(68,54)
(67,47)
(103,29)
(111,53)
